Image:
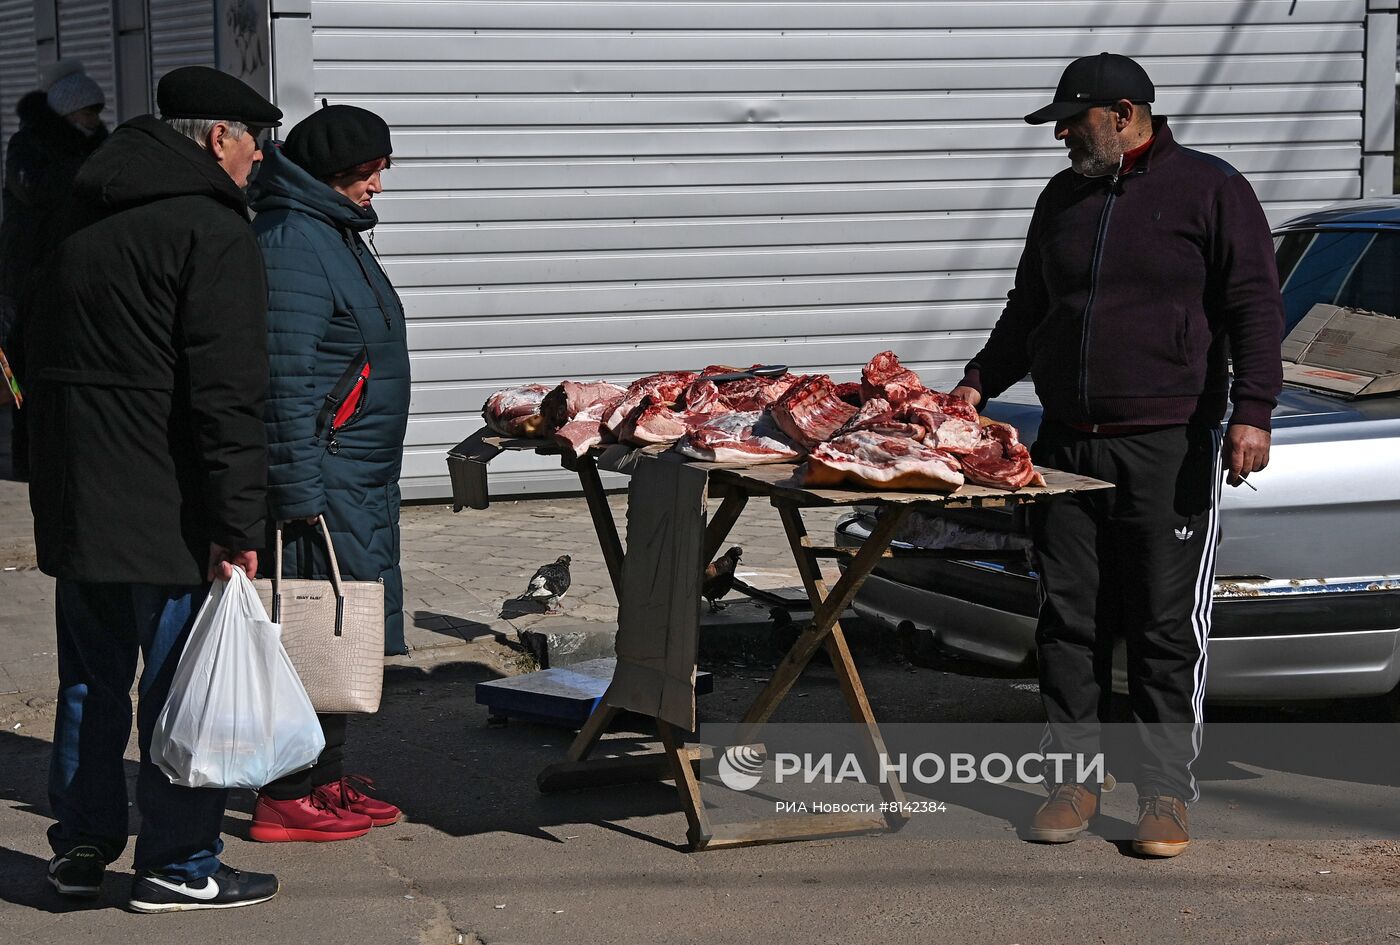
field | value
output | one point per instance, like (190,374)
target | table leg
(564,773)
(603,522)
(826,631)
(598,721)
(682,759)
(827,608)
(719,527)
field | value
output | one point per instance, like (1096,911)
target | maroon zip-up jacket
(1134,293)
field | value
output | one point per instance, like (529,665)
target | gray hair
(197,129)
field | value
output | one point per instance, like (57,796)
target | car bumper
(1277,645)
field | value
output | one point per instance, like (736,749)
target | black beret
(336,138)
(202,92)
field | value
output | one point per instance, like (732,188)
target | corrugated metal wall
(608,189)
(181,34)
(86,32)
(18,73)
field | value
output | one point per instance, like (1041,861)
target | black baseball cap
(1095,80)
(202,92)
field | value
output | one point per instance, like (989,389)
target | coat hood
(282,184)
(144,161)
(34,108)
(46,125)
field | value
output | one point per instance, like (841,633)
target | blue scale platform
(565,695)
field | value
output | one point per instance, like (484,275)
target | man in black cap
(147,376)
(1146,268)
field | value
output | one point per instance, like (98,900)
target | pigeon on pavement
(549,583)
(719,577)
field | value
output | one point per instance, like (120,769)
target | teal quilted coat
(330,306)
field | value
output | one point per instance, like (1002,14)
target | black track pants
(329,767)
(1137,561)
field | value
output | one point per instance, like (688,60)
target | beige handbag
(332,630)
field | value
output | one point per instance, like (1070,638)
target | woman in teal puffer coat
(337,408)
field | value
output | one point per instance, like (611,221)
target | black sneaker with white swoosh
(78,872)
(227,889)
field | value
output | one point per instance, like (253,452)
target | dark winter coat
(148,369)
(1133,292)
(40,163)
(330,307)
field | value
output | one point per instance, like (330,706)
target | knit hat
(71,89)
(336,138)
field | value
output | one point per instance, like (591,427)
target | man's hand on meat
(969,394)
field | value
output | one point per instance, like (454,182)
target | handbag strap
(336,583)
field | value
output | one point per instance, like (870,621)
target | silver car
(1307,586)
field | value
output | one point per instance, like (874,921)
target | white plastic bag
(237,715)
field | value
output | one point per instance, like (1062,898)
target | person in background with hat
(337,410)
(147,376)
(1147,267)
(60,124)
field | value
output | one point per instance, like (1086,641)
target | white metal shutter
(182,34)
(86,32)
(605,189)
(18,74)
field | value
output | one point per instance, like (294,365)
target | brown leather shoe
(1064,815)
(1161,828)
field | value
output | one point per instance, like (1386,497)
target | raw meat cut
(657,424)
(1001,461)
(515,411)
(650,424)
(701,396)
(943,403)
(876,416)
(850,392)
(755,393)
(671,405)
(950,434)
(882,462)
(659,389)
(811,412)
(570,398)
(749,393)
(885,377)
(952,422)
(745,437)
(585,430)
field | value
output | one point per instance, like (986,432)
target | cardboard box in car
(1344,351)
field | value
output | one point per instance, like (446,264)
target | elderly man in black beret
(147,377)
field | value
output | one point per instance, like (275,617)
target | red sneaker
(348,795)
(314,819)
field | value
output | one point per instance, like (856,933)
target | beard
(1093,165)
(1097,155)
